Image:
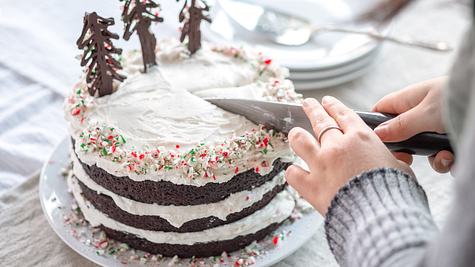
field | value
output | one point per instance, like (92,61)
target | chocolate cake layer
(187,251)
(168,193)
(106,205)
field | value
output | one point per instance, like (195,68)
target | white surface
(331,81)
(55,199)
(32,85)
(336,71)
(326,78)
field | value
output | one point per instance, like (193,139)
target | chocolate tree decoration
(192,16)
(138,15)
(96,42)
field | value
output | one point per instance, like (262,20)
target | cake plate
(56,202)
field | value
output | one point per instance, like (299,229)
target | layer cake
(158,167)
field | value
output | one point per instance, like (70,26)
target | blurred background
(38,67)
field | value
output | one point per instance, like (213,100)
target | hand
(340,156)
(419,109)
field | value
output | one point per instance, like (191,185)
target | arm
(380,216)
(387,220)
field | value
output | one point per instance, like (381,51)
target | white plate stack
(328,59)
(323,76)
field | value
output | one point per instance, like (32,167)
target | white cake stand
(56,202)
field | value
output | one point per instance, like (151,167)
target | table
(32,88)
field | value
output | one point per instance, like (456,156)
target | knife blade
(285,116)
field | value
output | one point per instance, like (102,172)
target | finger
(300,180)
(404,157)
(442,162)
(304,145)
(405,99)
(403,126)
(346,118)
(320,120)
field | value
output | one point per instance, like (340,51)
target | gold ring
(326,129)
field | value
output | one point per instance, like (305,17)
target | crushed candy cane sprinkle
(79,102)
(262,64)
(199,161)
(96,239)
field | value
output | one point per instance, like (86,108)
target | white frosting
(276,211)
(152,113)
(208,70)
(178,215)
(205,69)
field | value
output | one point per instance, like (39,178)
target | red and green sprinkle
(262,64)
(199,161)
(79,102)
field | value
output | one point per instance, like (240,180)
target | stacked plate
(318,77)
(328,59)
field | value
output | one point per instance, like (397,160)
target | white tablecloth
(37,68)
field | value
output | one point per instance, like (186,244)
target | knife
(285,116)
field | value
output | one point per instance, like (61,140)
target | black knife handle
(427,143)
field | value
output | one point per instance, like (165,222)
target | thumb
(402,127)
(301,181)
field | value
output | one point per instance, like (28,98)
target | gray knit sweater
(382,218)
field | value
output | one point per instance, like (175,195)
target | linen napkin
(26,239)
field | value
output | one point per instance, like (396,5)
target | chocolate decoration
(192,23)
(96,42)
(138,19)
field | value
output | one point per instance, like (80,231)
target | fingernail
(446,163)
(327,99)
(381,129)
(309,101)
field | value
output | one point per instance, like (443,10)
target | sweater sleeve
(380,218)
